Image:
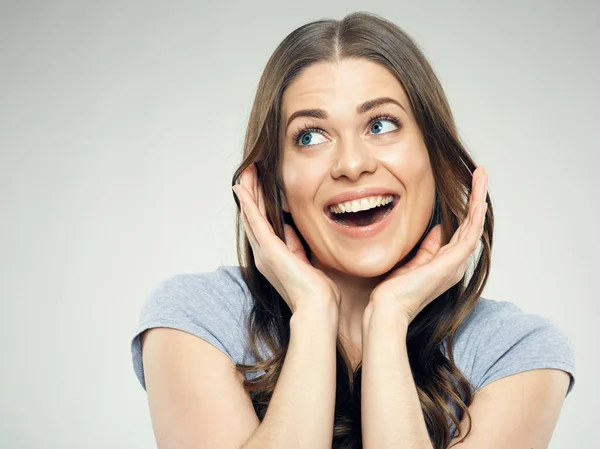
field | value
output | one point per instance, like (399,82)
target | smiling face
(341,152)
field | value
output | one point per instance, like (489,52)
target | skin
(378,292)
(348,153)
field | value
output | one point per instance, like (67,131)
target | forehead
(343,84)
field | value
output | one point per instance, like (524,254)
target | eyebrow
(360,109)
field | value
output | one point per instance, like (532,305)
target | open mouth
(363,217)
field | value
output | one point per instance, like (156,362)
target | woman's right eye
(305,138)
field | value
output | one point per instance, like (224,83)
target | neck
(355,293)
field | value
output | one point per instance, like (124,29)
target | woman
(360,210)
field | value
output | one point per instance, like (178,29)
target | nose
(353,158)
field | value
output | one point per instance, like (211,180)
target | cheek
(408,152)
(415,164)
(291,180)
(301,180)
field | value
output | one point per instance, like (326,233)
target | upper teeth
(362,204)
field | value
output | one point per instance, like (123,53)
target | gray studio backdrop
(120,126)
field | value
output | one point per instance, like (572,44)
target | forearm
(391,411)
(301,410)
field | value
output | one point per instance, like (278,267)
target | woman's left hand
(435,269)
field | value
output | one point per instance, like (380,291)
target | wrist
(317,313)
(388,311)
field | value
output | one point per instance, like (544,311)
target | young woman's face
(350,152)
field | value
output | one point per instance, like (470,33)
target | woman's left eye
(378,125)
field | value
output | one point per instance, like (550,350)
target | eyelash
(372,120)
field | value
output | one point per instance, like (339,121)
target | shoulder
(222,289)
(212,305)
(499,339)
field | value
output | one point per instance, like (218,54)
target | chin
(369,270)
(368,265)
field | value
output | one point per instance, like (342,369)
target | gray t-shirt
(496,340)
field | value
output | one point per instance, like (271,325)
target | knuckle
(259,264)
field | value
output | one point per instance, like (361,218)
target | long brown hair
(444,392)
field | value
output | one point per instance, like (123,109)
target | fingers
(479,191)
(258,192)
(453,256)
(252,169)
(472,226)
(258,228)
(247,227)
(474,202)
(479,203)
(477,208)
(249,179)
(261,202)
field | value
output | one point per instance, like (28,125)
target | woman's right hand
(283,264)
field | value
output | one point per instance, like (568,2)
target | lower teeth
(362,218)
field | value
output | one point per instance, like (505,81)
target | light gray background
(121,124)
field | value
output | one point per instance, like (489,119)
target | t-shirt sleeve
(208,305)
(500,340)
